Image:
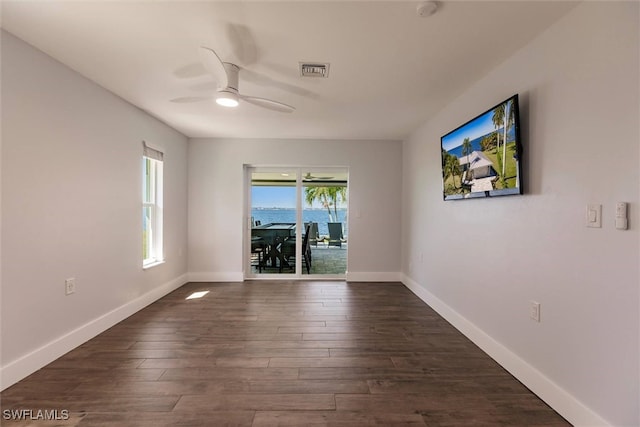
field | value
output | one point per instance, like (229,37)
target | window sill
(152,264)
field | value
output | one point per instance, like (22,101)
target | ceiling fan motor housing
(226,75)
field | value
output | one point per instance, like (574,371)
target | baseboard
(216,276)
(555,396)
(375,276)
(232,276)
(31,362)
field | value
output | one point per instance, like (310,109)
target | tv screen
(482,158)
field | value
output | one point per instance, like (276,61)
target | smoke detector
(314,69)
(427,8)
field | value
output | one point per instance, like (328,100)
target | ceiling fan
(309,177)
(226,76)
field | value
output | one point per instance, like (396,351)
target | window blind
(151,153)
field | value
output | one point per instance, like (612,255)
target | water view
(275,215)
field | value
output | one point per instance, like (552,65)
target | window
(151,207)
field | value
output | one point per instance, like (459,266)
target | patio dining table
(274,234)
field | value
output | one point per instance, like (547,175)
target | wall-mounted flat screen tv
(482,158)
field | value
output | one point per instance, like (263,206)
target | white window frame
(152,230)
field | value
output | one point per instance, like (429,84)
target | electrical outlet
(534,311)
(69,286)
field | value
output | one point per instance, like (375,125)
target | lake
(320,216)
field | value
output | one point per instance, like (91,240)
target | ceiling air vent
(314,69)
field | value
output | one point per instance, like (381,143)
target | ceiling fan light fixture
(226,76)
(227,98)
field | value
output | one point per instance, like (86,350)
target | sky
(269,197)
(280,197)
(476,128)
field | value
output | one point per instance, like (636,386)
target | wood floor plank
(264,402)
(150,388)
(200,346)
(297,386)
(30,388)
(281,353)
(403,403)
(144,353)
(449,385)
(331,362)
(351,336)
(323,329)
(272,352)
(362,373)
(343,418)
(83,403)
(97,373)
(244,374)
(205,362)
(91,363)
(171,419)
(282,344)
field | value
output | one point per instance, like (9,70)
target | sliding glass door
(297,222)
(324,195)
(274,220)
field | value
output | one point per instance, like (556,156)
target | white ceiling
(390,68)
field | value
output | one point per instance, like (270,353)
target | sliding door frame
(247,221)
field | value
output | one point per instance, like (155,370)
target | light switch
(621,216)
(594,216)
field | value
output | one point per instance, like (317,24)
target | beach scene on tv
(480,158)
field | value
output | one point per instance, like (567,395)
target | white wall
(216,200)
(71,207)
(579,90)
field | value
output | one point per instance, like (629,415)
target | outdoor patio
(328,259)
(325,259)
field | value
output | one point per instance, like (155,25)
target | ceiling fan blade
(213,64)
(268,103)
(243,43)
(264,80)
(188,99)
(316,178)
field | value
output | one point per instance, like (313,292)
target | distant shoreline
(264,208)
(288,215)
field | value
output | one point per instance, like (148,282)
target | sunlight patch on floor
(197,295)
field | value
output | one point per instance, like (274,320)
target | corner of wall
(559,399)
(216,276)
(374,276)
(29,363)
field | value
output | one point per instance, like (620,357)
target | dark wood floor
(281,353)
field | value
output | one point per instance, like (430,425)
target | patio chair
(335,234)
(306,248)
(289,249)
(259,248)
(313,234)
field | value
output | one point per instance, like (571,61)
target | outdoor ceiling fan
(226,76)
(309,177)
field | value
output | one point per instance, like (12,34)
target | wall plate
(594,216)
